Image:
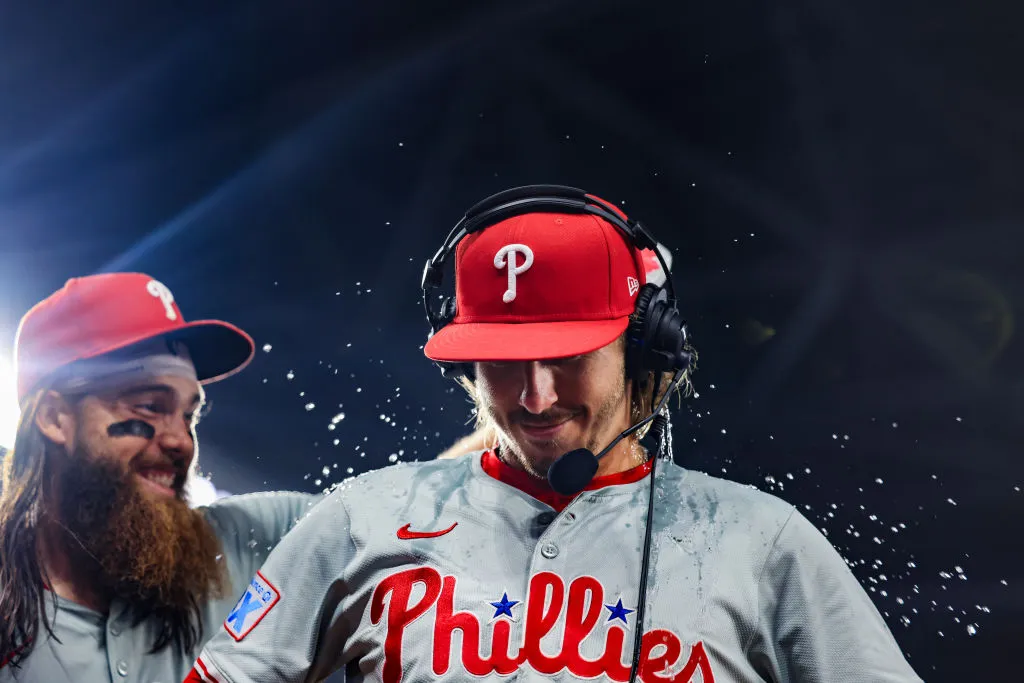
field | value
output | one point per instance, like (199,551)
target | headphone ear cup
(657,335)
(447,312)
(636,333)
(666,338)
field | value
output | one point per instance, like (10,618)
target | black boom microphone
(571,473)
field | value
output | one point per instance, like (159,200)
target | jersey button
(114,630)
(549,550)
(122,668)
(570,517)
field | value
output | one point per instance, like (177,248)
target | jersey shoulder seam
(760,578)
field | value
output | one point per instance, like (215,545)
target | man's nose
(538,387)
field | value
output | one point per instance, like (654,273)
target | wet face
(542,409)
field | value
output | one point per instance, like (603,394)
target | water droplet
(310,406)
(393,457)
(326,470)
(291,375)
(951,501)
(267,347)
(337,418)
(878,480)
(972,629)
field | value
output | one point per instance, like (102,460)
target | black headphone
(656,338)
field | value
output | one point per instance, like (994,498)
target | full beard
(160,556)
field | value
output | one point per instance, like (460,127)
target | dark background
(840,184)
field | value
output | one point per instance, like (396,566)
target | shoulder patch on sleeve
(259,597)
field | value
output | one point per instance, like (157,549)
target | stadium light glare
(9,410)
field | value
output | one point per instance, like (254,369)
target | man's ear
(55,418)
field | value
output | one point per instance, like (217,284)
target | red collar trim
(540,490)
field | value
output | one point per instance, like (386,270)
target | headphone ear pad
(447,312)
(636,333)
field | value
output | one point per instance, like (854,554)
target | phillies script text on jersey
(580,605)
(742,587)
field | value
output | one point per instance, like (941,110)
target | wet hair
(23,580)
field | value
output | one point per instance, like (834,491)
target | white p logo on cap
(506,256)
(160,291)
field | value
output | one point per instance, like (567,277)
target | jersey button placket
(117,648)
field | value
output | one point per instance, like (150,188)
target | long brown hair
(22,577)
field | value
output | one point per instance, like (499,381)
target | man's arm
(816,621)
(274,631)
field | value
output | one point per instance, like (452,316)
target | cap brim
(467,342)
(218,349)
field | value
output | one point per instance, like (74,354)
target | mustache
(178,466)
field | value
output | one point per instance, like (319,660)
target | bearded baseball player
(575,549)
(106,573)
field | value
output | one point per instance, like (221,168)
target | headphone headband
(533,199)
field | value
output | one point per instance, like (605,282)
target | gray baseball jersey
(450,569)
(106,648)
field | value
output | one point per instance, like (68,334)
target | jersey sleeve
(251,525)
(816,622)
(291,606)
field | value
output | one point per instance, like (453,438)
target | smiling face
(159,465)
(120,493)
(542,409)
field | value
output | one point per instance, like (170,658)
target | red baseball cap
(539,286)
(98,314)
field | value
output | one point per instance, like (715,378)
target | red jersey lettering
(580,608)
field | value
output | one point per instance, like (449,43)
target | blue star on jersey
(618,612)
(504,607)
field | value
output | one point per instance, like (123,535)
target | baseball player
(106,573)
(573,549)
